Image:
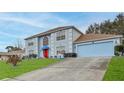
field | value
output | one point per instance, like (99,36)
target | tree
(119,20)
(90,29)
(108,27)
(18,46)
(96,28)
(13,59)
(12,48)
(9,48)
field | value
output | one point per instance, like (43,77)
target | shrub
(118,49)
(33,56)
(116,53)
(70,55)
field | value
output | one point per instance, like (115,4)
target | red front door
(45,53)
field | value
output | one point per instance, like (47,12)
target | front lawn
(8,71)
(115,71)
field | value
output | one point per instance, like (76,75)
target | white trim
(99,41)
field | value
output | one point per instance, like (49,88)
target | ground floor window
(31,51)
(122,41)
(60,50)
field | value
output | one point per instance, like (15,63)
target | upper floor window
(45,40)
(30,44)
(60,35)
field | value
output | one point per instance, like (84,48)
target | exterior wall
(67,42)
(40,45)
(118,41)
(49,45)
(2,57)
(33,48)
(52,43)
(76,35)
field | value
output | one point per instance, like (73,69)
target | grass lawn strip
(8,71)
(115,71)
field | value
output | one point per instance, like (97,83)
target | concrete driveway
(72,69)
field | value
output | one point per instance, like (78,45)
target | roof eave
(77,30)
(118,36)
(46,33)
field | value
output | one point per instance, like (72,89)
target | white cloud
(4,34)
(22,20)
(41,21)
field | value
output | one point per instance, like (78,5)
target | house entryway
(46,53)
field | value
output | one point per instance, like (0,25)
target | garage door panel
(85,50)
(104,49)
(96,49)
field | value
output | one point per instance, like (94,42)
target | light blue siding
(96,49)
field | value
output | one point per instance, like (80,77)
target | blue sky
(17,26)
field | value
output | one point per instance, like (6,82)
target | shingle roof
(12,53)
(3,53)
(52,31)
(93,37)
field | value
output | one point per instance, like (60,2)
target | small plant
(33,56)
(13,60)
(119,50)
(70,55)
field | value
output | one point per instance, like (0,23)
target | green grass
(8,71)
(115,71)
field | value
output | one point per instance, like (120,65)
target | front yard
(115,71)
(8,71)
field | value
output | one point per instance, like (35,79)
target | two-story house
(53,42)
(69,39)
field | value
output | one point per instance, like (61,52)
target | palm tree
(9,48)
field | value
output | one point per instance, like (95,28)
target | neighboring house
(20,53)
(69,39)
(5,55)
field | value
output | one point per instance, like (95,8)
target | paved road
(72,69)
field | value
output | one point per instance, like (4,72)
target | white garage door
(96,49)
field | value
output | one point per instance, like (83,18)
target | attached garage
(93,47)
(96,49)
